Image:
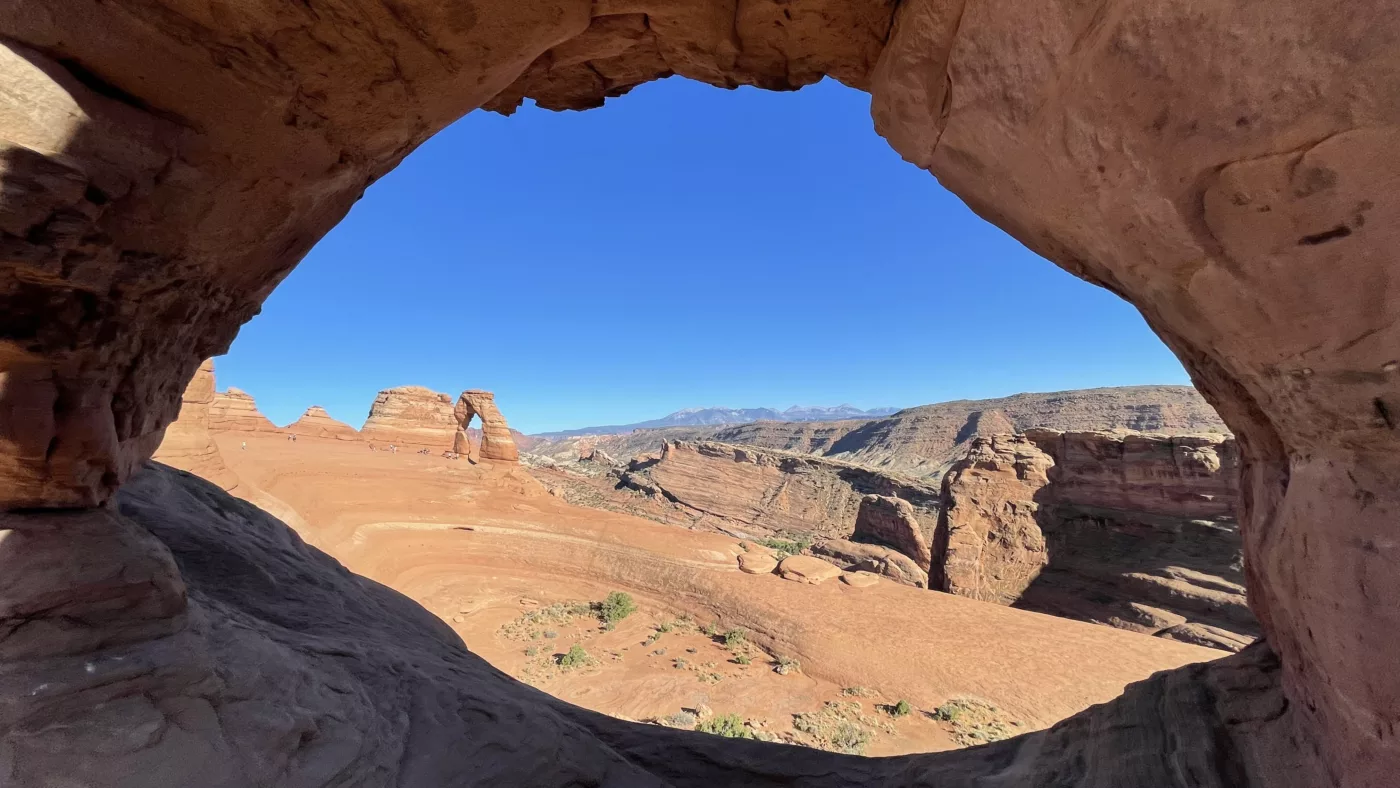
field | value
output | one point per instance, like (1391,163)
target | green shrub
(785,665)
(730,726)
(948,712)
(900,709)
(575,658)
(616,607)
(743,659)
(734,638)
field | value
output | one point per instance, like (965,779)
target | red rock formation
(496,441)
(235,411)
(894,522)
(188,444)
(1226,167)
(317,423)
(1134,531)
(411,417)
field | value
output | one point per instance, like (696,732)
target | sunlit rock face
(497,442)
(1226,167)
(188,444)
(411,417)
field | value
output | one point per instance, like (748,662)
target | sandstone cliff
(317,423)
(188,444)
(411,417)
(235,411)
(924,441)
(1134,531)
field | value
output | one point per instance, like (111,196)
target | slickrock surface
(411,417)
(235,411)
(317,423)
(1134,531)
(497,443)
(873,558)
(757,563)
(806,569)
(1226,167)
(188,444)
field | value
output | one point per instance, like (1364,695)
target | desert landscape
(286,611)
(765,593)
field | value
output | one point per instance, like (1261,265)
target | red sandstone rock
(757,563)
(188,444)
(860,579)
(411,417)
(317,423)
(496,441)
(235,411)
(806,569)
(892,521)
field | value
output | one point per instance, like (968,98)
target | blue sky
(683,246)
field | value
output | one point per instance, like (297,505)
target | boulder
(757,563)
(860,579)
(892,521)
(806,569)
(874,558)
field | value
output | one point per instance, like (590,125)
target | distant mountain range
(702,417)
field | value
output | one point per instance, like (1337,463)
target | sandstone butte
(235,411)
(188,443)
(1227,168)
(411,417)
(317,423)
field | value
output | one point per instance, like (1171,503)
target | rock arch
(1227,167)
(496,440)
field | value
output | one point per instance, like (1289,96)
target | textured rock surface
(859,579)
(497,443)
(873,558)
(188,444)
(411,417)
(1136,531)
(317,423)
(894,522)
(1226,167)
(757,563)
(806,569)
(924,441)
(756,492)
(235,411)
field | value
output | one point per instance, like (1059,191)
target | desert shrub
(730,726)
(743,659)
(785,665)
(900,709)
(681,719)
(616,607)
(575,658)
(948,712)
(786,547)
(734,638)
(532,651)
(857,692)
(850,738)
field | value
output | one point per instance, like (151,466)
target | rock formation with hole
(188,444)
(497,442)
(235,410)
(1134,531)
(411,417)
(1226,167)
(317,423)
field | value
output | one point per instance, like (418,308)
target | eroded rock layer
(188,443)
(411,417)
(497,442)
(317,423)
(235,411)
(1137,531)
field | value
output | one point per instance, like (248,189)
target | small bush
(551,634)
(681,719)
(680,663)
(948,712)
(850,738)
(730,726)
(785,665)
(616,607)
(532,651)
(786,547)
(735,637)
(900,709)
(743,659)
(575,658)
(857,692)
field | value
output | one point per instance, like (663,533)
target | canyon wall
(1134,531)
(411,417)
(317,423)
(188,443)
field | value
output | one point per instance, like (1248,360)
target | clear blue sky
(683,246)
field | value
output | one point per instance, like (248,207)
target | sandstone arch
(1228,167)
(496,440)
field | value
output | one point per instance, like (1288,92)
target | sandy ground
(489,551)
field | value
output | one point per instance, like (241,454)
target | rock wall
(188,443)
(317,423)
(1227,168)
(1134,531)
(411,417)
(235,411)
(497,443)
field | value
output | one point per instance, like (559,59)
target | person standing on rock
(244,447)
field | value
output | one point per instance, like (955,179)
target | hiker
(245,446)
